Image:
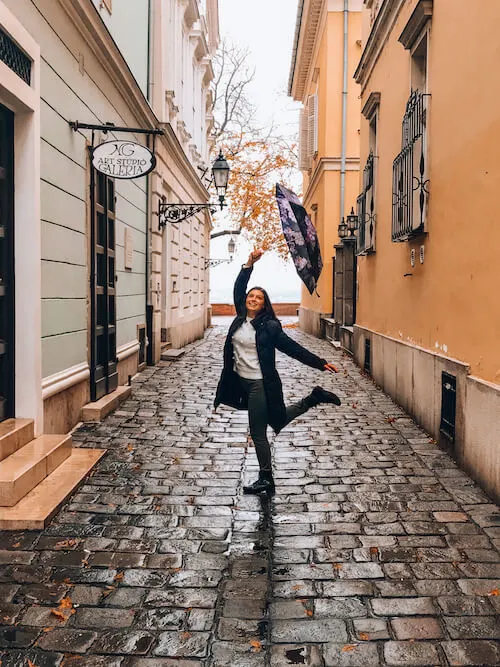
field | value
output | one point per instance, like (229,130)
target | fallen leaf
(58,614)
(186,635)
(130,448)
(494,592)
(296,587)
(364,636)
(17,545)
(119,576)
(337,566)
(66,544)
(374,550)
(256,646)
(390,420)
(30,664)
(48,629)
(354,405)
(66,603)
(309,612)
(348,647)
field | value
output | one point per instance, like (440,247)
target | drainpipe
(344,114)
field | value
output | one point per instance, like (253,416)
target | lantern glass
(231,246)
(220,171)
(352,221)
(342,229)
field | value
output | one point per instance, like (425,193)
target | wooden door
(103,372)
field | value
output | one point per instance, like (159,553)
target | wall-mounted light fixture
(231,246)
(178,212)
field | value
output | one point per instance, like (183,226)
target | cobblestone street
(375,550)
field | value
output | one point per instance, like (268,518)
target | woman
(249,379)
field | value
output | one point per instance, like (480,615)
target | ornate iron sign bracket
(179,212)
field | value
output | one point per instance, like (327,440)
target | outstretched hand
(254,256)
(331,368)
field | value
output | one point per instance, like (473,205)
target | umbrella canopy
(300,236)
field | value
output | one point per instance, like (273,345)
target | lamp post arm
(225,232)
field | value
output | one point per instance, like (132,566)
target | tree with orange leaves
(258,159)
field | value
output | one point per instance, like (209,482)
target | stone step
(96,411)
(36,509)
(14,434)
(173,355)
(24,469)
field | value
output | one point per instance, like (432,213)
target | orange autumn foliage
(257,164)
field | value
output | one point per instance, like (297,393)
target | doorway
(103,362)
(7,295)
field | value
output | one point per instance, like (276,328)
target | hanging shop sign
(123,159)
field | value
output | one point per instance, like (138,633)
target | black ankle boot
(320,395)
(264,484)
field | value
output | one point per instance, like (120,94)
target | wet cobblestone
(376,549)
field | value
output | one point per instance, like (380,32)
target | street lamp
(231,246)
(179,212)
(352,222)
(220,172)
(342,230)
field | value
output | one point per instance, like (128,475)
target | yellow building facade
(428,313)
(326,51)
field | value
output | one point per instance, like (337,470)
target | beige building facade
(428,315)
(91,286)
(326,51)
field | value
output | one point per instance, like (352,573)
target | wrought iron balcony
(366,209)
(410,185)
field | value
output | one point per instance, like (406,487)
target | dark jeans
(258,418)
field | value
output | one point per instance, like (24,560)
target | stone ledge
(96,411)
(35,510)
(172,355)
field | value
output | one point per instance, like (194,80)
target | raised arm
(240,289)
(240,285)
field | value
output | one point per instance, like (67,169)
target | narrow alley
(375,550)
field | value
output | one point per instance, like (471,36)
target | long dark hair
(268,306)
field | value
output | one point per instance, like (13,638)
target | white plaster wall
(68,93)
(128,24)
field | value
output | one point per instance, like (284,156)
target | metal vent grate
(14,58)
(367,366)
(448,406)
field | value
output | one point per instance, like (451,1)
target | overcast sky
(266,28)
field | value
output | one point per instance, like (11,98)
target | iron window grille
(366,209)
(448,406)
(14,58)
(409,176)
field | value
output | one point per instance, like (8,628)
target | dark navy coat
(269,337)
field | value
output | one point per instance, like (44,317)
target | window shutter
(303,142)
(312,117)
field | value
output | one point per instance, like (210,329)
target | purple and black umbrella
(300,236)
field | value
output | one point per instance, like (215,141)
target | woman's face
(254,302)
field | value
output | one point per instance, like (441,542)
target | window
(308,139)
(410,185)
(409,173)
(419,66)
(366,201)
